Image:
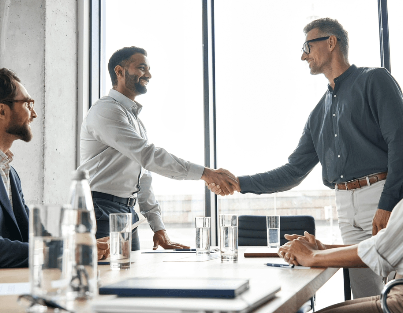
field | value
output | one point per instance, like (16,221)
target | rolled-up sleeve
(383,253)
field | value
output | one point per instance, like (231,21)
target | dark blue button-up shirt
(355,130)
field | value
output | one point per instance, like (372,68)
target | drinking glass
(228,237)
(120,240)
(273,231)
(48,271)
(202,225)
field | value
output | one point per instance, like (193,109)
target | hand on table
(161,239)
(300,251)
(103,248)
(380,220)
(221,181)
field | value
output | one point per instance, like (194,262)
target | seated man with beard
(16,114)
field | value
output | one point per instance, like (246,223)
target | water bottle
(78,230)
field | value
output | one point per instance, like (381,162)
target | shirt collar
(339,79)
(125,101)
(5,158)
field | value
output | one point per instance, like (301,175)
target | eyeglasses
(27,102)
(307,49)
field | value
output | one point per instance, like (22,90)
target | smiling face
(21,116)
(137,74)
(319,55)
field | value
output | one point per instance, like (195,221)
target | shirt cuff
(195,171)
(370,256)
(245,182)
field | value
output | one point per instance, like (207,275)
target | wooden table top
(297,286)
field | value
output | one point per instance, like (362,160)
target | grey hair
(329,27)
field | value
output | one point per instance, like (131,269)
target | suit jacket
(13,225)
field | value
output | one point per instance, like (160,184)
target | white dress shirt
(383,253)
(115,150)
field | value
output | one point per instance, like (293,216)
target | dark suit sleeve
(13,253)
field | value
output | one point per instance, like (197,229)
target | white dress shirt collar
(125,101)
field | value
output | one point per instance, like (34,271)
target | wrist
(206,174)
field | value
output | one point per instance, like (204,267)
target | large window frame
(93,57)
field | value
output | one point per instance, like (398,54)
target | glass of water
(229,237)
(120,240)
(273,231)
(202,225)
(47,265)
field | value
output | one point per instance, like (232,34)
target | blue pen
(279,265)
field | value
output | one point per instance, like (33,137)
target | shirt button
(338,156)
(335,135)
(334,114)
(341,176)
(334,96)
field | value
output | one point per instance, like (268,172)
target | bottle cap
(80,175)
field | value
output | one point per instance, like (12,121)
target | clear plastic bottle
(78,230)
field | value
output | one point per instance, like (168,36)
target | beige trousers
(356,209)
(369,304)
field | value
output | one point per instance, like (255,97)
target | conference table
(297,285)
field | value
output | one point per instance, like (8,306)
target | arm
(386,102)
(13,254)
(150,208)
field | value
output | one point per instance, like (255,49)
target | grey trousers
(356,209)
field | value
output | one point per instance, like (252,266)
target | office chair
(252,231)
(385,292)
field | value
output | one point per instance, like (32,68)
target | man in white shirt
(116,152)
(383,253)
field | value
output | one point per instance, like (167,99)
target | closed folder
(177,287)
(261,253)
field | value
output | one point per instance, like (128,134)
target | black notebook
(177,287)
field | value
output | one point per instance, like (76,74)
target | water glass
(273,231)
(48,273)
(202,225)
(120,240)
(228,237)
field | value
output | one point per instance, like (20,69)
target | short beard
(21,131)
(133,83)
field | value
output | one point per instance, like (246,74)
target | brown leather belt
(362,182)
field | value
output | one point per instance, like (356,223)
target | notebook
(259,292)
(177,287)
(261,253)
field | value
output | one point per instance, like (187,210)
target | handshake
(221,181)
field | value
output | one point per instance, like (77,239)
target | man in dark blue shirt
(356,133)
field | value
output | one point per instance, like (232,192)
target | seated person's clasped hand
(103,248)
(300,249)
(161,239)
(221,182)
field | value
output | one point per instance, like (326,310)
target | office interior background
(228,90)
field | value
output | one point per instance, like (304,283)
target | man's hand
(221,181)
(161,239)
(103,248)
(299,251)
(319,244)
(380,221)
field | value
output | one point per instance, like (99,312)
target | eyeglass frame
(313,40)
(30,102)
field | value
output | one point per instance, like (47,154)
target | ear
(119,71)
(332,42)
(4,110)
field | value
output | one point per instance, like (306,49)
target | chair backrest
(252,228)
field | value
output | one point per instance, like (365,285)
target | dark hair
(119,57)
(328,27)
(8,88)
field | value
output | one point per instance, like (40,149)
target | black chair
(252,231)
(385,292)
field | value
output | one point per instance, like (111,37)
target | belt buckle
(131,201)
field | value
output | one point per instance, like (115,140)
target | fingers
(292,237)
(311,238)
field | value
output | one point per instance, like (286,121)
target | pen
(184,249)
(279,265)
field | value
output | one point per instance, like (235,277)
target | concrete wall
(38,40)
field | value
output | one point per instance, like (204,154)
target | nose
(303,56)
(33,113)
(148,74)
